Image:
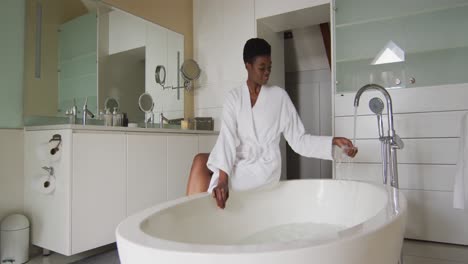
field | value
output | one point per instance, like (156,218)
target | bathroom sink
(58,120)
(156,125)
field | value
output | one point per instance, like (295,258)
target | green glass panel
(12,24)
(77,63)
(78,88)
(78,37)
(79,66)
(361,11)
(433,36)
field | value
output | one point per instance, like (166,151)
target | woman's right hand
(221,191)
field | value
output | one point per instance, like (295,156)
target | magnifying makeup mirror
(146,104)
(190,72)
(111,103)
(160,75)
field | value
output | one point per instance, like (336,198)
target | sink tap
(162,118)
(72,113)
(86,112)
(150,119)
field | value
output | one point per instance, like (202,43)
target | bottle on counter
(116,118)
(124,119)
(108,118)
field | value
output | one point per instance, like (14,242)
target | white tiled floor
(104,255)
(414,252)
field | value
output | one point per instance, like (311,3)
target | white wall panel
(409,100)
(212,95)
(221,29)
(420,151)
(238,27)
(426,125)
(208,49)
(428,120)
(411,176)
(431,217)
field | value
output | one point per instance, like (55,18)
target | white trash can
(14,239)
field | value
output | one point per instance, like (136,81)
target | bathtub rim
(129,231)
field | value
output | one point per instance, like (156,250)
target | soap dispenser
(116,118)
(108,118)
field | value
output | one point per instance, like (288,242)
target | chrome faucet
(392,141)
(162,118)
(86,112)
(72,113)
(150,119)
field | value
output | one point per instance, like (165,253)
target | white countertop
(119,129)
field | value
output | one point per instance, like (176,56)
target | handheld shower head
(376,105)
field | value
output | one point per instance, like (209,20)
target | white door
(180,152)
(98,189)
(146,171)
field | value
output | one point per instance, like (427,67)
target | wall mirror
(84,48)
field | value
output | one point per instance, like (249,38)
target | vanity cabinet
(146,171)
(97,189)
(101,177)
(180,152)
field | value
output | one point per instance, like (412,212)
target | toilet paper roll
(45,184)
(49,152)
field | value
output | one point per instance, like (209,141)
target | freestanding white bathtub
(302,221)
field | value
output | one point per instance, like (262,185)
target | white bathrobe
(247,148)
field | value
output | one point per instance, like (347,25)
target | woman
(247,153)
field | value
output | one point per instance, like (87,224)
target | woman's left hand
(346,145)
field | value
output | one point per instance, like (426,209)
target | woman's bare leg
(200,175)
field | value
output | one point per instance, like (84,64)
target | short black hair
(256,47)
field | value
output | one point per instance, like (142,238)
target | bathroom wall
(176,15)
(428,120)
(11,171)
(41,94)
(12,24)
(277,75)
(218,49)
(428,111)
(12,15)
(308,83)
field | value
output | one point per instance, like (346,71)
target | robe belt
(251,153)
